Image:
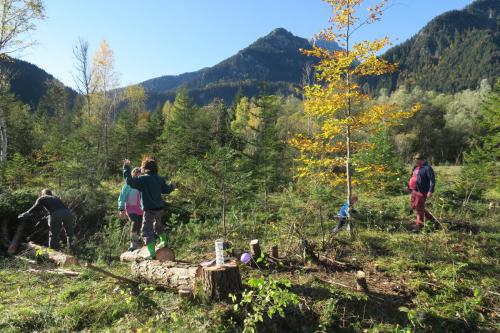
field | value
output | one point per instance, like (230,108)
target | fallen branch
(337,283)
(114,276)
(54,271)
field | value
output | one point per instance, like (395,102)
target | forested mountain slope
(29,82)
(272,64)
(453,52)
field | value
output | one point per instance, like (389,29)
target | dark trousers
(135,224)
(62,218)
(151,224)
(341,224)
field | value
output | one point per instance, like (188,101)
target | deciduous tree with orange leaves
(346,114)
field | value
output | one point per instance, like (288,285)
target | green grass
(444,280)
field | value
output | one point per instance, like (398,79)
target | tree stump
(166,274)
(361,281)
(219,281)
(274,252)
(255,249)
(162,254)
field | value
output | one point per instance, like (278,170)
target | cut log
(219,281)
(14,244)
(57,257)
(162,254)
(255,249)
(361,281)
(166,274)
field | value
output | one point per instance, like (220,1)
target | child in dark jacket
(344,213)
(151,187)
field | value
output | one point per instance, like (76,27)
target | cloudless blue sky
(152,38)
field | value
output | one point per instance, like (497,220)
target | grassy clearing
(444,280)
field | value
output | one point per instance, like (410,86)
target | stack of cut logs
(217,281)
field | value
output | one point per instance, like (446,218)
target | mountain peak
(279,40)
(281,32)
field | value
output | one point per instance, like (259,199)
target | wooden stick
(338,284)
(114,276)
(54,271)
(492,292)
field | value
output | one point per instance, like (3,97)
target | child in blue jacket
(344,213)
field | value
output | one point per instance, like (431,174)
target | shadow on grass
(348,311)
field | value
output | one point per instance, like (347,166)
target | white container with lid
(219,252)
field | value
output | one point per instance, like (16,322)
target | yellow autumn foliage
(346,115)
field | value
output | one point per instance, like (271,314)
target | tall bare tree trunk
(4,137)
(224,209)
(348,141)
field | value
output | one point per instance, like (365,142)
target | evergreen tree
(482,164)
(186,133)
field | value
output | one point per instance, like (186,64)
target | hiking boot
(134,241)
(151,250)
(416,228)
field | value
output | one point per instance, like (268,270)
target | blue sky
(152,38)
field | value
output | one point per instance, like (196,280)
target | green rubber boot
(151,250)
(163,240)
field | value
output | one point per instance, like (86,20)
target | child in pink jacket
(129,204)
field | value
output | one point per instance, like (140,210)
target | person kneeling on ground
(151,187)
(344,213)
(58,216)
(129,204)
